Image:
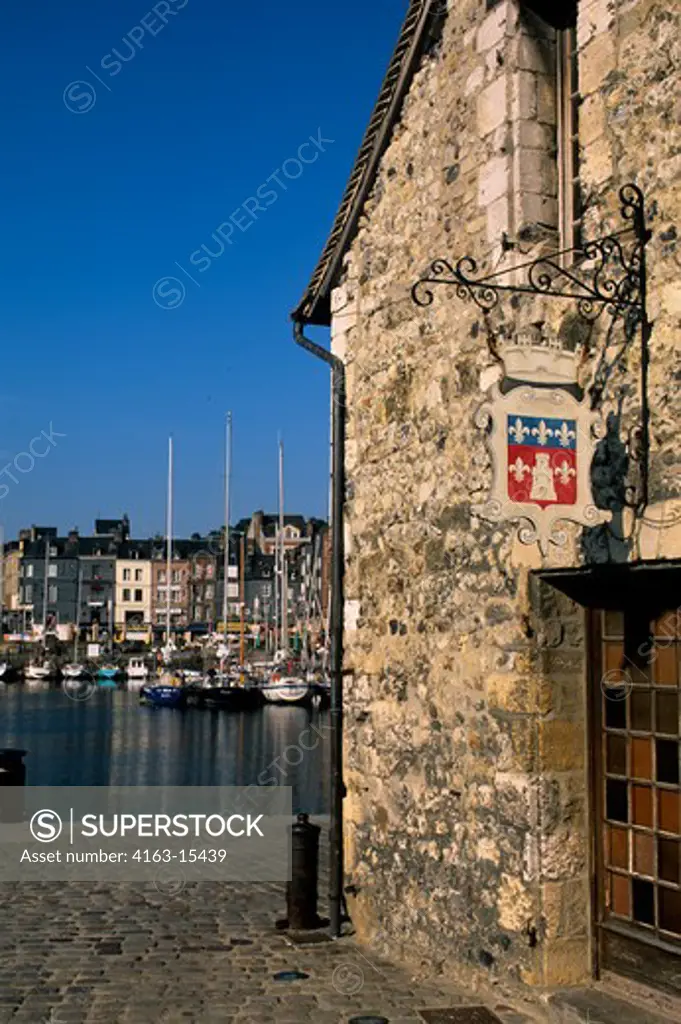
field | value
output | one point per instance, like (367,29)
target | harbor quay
(205,952)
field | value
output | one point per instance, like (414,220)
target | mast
(78,599)
(282,554)
(242,602)
(228,473)
(169,537)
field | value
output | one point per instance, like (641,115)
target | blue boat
(164,695)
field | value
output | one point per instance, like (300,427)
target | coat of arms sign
(541,440)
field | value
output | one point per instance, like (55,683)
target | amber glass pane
(620,900)
(644,854)
(615,708)
(613,659)
(616,801)
(668,811)
(670,909)
(668,860)
(643,900)
(617,755)
(665,658)
(613,624)
(642,758)
(619,857)
(642,806)
(668,761)
(667,625)
(667,713)
(640,702)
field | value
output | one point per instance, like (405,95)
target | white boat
(283,689)
(38,672)
(74,671)
(137,669)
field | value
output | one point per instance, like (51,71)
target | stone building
(512,694)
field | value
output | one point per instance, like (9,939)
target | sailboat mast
(242,603)
(79,591)
(169,537)
(228,473)
(282,553)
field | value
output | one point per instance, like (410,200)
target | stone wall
(467,841)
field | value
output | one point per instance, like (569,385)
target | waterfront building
(203,586)
(180,589)
(12,578)
(132,610)
(512,695)
(49,577)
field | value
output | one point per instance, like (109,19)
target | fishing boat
(167,692)
(283,689)
(38,672)
(137,669)
(74,670)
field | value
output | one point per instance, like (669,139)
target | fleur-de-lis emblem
(518,431)
(542,432)
(564,471)
(564,435)
(519,469)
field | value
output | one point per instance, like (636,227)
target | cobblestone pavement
(129,953)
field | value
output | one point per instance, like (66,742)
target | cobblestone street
(208,953)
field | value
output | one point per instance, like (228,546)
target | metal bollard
(12,775)
(301,891)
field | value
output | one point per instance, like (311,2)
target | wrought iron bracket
(604,276)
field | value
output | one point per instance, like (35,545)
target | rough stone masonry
(467,835)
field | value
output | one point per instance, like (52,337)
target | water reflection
(111,740)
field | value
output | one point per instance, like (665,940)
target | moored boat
(137,669)
(283,689)
(108,672)
(74,670)
(38,672)
(167,692)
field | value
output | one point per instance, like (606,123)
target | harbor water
(110,740)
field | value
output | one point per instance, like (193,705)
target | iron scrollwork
(606,275)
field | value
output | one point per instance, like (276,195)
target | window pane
(670,909)
(620,901)
(668,811)
(618,854)
(617,755)
(665,665)
(613,624)
(616,801)
(641,805)
(668,860)
(615,708)
(667,713)
(642,758)
(640,702)
(643,899)
(668,761)
(644,854)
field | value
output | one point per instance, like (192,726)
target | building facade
(513,805)
(180,592)
(49,577)
(133,590)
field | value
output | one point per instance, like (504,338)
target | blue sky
(111,177)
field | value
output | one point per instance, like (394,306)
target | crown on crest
(535,356)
